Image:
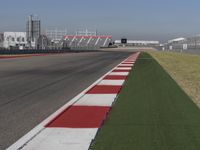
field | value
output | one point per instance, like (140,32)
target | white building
(14,40)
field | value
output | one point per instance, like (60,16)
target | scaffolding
(56,35)
(86,32)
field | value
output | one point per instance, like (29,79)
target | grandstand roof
(138,42)
(176,40)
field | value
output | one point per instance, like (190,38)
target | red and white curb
(75,125)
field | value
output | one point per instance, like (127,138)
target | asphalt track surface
(33,88)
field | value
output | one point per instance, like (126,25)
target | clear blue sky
(135,19)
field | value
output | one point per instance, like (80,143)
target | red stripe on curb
(80,117)
(105,89)
(111,77)
(118,70)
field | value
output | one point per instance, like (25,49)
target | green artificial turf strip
(151,113)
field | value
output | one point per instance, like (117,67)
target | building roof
(176,40)
(137,42)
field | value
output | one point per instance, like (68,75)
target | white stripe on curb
(123,68)
(129,62)
(119,73)
(111,82)
(130,65)
(96,100)
(69,139)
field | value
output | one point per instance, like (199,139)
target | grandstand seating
(87,41)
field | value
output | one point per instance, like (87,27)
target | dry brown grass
(185,69)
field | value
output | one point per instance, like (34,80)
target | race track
(33,88)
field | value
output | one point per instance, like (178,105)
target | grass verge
(185,69)
(151,113)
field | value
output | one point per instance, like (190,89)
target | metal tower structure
(33,31)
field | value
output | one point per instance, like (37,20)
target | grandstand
(85,41)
